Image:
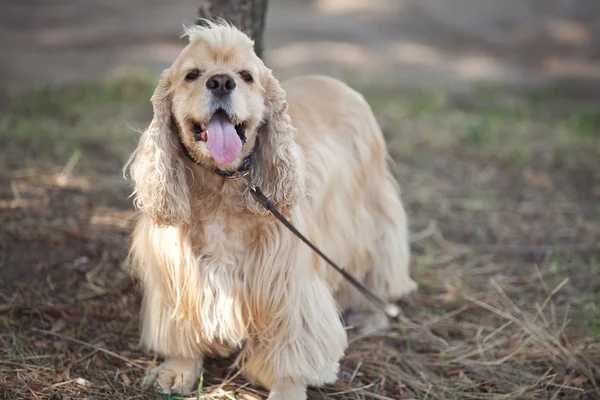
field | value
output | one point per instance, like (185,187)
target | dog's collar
(244,166)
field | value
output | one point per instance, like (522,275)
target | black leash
(391,310)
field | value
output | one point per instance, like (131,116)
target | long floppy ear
(278,167)
(157,171)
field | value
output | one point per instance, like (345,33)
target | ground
(502,191)
(502,187)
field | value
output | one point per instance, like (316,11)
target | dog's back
(358,217)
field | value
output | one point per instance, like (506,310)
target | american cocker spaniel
(220,275)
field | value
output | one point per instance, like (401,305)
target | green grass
(514,128)
(52,124)
(83,320)
(591,306)
(200,384)
(591,313)
(6,394)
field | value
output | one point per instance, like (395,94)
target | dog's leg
(175,375)
(366,322)
(175,340)
(287,391)
(390,277)
(302,345)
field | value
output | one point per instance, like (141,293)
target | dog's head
(218,87)
(221,103)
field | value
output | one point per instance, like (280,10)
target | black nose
(221,84)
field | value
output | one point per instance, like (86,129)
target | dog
(220,275)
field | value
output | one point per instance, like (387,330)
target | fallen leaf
(38,344)
(126,380)
(580,380)
(98,362)
(539,179)
(400,387)
(77,232)
(514,343)
(60,346)
(452,293)
(464,378)
(59,325)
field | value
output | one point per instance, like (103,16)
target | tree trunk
(246,15)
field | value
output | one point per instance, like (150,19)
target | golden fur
(219,274)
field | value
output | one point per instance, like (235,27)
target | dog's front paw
(175,375)
(367,322)
(287,391)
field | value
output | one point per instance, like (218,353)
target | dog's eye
(192,75)
(245,75)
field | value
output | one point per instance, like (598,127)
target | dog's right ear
(155,167)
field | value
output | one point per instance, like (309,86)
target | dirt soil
(502,191)
(505,235)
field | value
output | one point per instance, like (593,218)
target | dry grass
(505,248)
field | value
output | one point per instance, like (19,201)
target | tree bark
(246,15)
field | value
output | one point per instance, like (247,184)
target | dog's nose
(221,84)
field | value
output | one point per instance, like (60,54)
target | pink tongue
(223,141)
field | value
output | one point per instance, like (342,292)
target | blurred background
(397,42)
(490,111)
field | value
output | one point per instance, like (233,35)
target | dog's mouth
(201,135)
(223,139)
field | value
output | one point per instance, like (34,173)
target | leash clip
(245,177)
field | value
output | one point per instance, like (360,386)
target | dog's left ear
(277,161)
(156,168)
